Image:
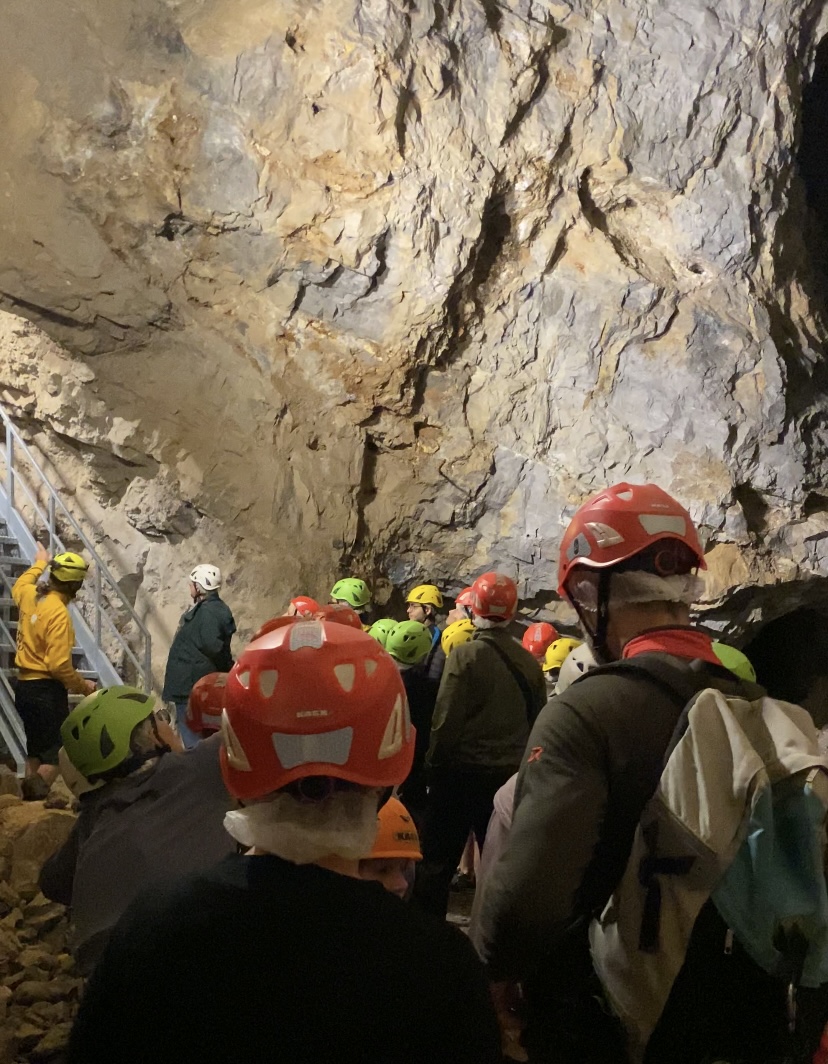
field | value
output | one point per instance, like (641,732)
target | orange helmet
(464,598)
(494,597)
(623,521)
(538,637)
(397,835)
(341,613)
(312,698)
(206,702)
(302,606)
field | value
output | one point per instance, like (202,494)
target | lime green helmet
(409,642)
(381,629)
(734,660)
(96,734)
(353,591)
(68,567)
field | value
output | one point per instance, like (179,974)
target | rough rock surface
(39,986)
(394,285)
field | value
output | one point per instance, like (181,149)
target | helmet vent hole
(267,681)
(244,679)
(106,745)
(370,667)
(346,674)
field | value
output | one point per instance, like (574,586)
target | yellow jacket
(45,635)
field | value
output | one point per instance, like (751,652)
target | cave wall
(394,285)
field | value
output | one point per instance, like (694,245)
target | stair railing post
(98,606)
(10,465)
(51,512)
(147,665)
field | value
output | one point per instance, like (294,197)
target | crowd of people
(264,873)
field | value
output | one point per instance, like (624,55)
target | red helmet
(620,522)
(274,622)
(538,637)
(494,597)
(206,702)
(314,699)
(464,598)
(340,612)
(302,606)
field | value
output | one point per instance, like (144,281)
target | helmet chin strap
(598,634)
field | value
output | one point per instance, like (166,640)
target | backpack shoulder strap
(682,682)
(531,709)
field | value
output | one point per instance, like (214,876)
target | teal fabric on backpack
(777,879)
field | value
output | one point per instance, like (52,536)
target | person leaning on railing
(45,674)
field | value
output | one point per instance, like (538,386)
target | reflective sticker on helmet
(392,741)
(244,678)
(346,674)
(579,547)
(655,523)
(267,681)
(236,756)
(370,666)
(325,748)
(306,634)
(605,535)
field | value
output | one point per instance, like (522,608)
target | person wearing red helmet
(538,637)
(283,952)
(205,704)
(302,606)
(628,565)
(461,610)
(491,691)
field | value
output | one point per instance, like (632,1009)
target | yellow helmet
(68,567)
(558,652)
(426,595)
(456,633)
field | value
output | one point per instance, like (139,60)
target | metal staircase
(113,644)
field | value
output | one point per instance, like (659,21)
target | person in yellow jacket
(45,674)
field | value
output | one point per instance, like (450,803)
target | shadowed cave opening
(790,656)
(813,156)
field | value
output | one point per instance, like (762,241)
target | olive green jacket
(481,721)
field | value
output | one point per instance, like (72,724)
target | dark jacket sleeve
(535,892)
(472,1034)
(57,876)
(216,628)
(454,700)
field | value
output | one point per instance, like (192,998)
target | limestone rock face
(395,286)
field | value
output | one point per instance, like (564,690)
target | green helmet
(381,629)
(96,733)
(734,660)
(409,642)
(353,591)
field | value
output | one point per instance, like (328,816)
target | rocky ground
(39,987)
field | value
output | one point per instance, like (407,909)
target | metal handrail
(100,573)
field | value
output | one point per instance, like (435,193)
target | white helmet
(576,663)
(208,577)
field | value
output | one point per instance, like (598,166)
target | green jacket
(481,720)
(201,646)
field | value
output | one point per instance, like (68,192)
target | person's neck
(630,621)
(343,866)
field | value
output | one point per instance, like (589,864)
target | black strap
(531,709)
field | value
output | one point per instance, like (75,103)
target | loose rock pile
(39,987)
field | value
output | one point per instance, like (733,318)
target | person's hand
(89,687)
(506,998)
(42,555)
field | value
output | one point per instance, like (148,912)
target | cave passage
(790,656)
